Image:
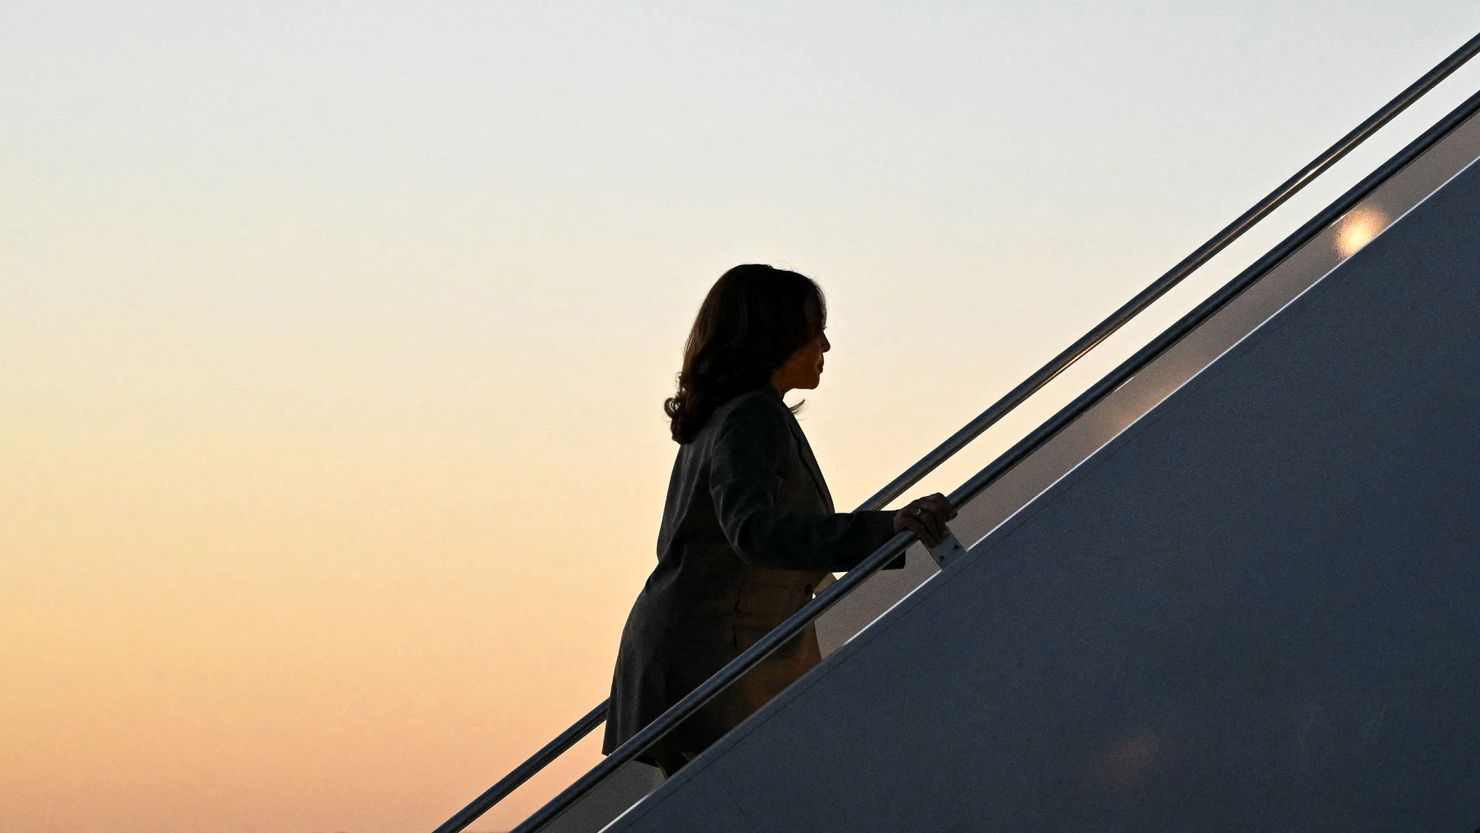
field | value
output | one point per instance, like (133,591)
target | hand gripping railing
(978,483)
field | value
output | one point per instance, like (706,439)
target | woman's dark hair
(752,320)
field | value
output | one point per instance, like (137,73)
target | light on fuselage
(1357,230)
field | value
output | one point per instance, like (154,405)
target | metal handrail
(526,770)
(896,545)
(973,487)
(1176,274)
(1231,290)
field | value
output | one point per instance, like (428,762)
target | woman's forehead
(816,313)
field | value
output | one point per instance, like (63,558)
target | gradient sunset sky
(334,336)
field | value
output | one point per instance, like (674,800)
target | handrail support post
(947,550)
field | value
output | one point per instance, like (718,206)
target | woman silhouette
(748,526)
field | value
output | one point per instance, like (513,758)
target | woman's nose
(826,345)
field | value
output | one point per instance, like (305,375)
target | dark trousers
(670,763)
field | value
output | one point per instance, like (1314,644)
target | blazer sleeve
(744,476)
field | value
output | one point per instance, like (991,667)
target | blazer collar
(805,449)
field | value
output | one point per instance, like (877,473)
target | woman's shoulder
(759,406)
(760,401)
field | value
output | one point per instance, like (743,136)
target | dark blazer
(748,531)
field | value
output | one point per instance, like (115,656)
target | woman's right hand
(926,517)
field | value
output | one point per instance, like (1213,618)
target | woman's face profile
(803,370)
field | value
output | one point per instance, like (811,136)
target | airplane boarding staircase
(1235,584)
